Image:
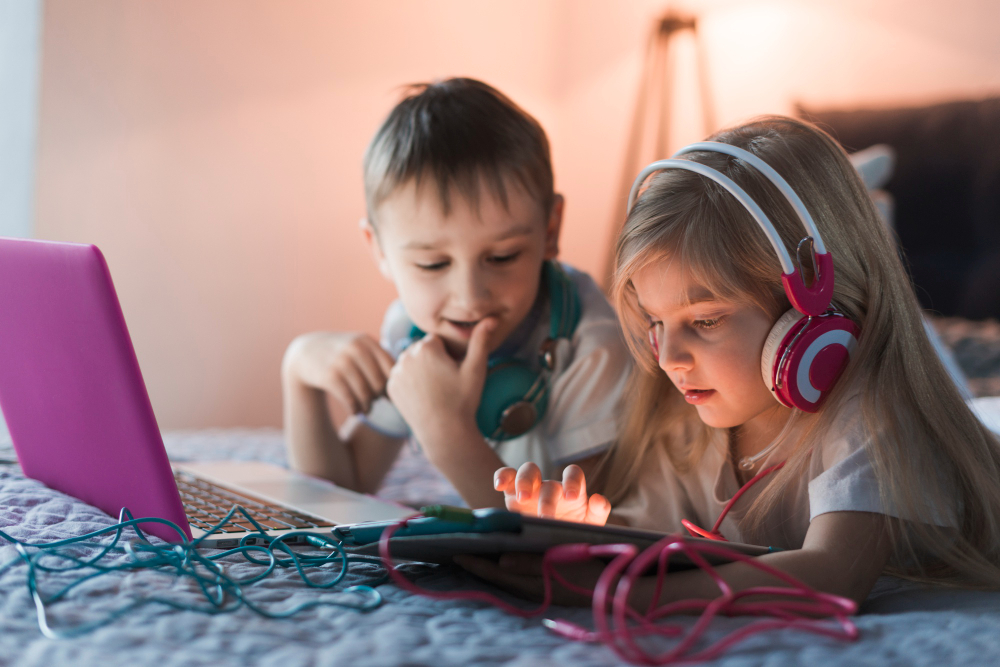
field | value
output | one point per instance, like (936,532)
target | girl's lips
(698,396)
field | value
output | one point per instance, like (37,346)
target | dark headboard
(946,187)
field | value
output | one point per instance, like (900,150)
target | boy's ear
(371,240)
(554,226)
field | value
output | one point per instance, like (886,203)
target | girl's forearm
(844,554)
(815,569)
(697,585)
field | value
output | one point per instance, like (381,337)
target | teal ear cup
(514,400)
(516,392)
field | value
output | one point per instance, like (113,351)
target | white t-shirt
(591,372)
(838,477)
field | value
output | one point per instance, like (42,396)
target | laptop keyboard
(205,504)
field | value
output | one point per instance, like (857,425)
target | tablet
(448,531)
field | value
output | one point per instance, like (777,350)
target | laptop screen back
(70,386)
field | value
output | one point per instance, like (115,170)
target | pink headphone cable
(714,534)
(797,606)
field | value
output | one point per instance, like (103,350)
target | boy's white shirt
(837,478)
(591,373)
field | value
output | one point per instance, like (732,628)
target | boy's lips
(463,327)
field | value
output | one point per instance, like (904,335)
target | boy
(463,219)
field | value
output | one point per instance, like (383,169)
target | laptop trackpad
(302,492)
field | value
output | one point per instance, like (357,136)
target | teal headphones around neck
(516,393)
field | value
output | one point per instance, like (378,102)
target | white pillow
(875,165)
(987,408)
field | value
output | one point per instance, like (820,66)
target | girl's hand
(351,367)
(525,492)
(436,394)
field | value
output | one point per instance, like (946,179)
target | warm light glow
(215,154)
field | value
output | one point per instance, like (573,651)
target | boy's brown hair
(460,132)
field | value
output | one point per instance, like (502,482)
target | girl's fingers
(527,482)
(574,483)
(510,502)
(503,480)
(549,497)
(598,509)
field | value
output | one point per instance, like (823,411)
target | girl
(887,471)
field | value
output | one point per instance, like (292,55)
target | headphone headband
(771,174)
(564,302)
(812,300)
(748,203)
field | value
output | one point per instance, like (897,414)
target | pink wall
(212,149)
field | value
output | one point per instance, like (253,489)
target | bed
(900,623)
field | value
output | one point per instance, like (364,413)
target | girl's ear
(554,226)
(370,235)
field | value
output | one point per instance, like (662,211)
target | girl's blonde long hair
(933,459)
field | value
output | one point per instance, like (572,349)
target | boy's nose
(470,291)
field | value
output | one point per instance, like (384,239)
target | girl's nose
(673,354)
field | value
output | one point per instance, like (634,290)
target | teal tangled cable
(93,555)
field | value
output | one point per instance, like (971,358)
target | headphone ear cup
(507,385)
(769,356)
(816,351)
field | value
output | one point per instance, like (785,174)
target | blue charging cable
(222,593)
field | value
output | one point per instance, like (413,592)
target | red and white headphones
(809,346)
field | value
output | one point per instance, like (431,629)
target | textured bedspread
(901,624)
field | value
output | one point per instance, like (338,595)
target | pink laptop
(81,421)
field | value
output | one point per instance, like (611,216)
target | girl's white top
(838,477)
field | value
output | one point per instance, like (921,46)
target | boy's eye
(708,324)
(503,259)
(434,266)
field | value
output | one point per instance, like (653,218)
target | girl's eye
(653,333)
(504,259)
(708,324)
(436,266)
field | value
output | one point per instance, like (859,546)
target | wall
(212,149)
(20,26)
(762,57)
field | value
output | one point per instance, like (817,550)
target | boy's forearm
(314,447)
(462,454)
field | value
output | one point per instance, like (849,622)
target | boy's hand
(435,393)
(351,367)
(525,492)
